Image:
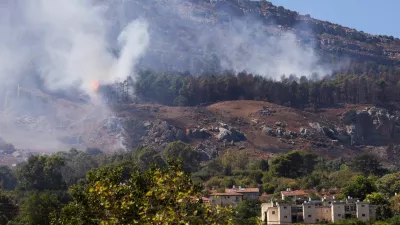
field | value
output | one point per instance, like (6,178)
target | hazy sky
(371,16)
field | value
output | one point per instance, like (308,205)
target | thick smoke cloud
(60,46)
(66,43)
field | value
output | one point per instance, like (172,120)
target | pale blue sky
(371,16)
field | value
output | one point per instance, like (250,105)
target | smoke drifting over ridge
(67,44)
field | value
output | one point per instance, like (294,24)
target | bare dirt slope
(80,125)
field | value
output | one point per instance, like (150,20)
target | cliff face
(375,126)
(191,32)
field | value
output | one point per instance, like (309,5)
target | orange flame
(95,85)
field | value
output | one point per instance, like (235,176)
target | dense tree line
(184,89)
(145,185)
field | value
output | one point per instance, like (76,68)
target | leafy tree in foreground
(157,196)
(8,209)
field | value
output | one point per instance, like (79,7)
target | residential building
(293,195)
(226,199)
(276,213)
(248,193)
(316,211)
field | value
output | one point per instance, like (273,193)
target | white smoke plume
(60,45)
(69,44)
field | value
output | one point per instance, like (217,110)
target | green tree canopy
(8,180)
(8,209)
(190,158)
(293,164)
(389,184)
(360,187)
(367,164)
(112,195)
(42,173)
(383,210)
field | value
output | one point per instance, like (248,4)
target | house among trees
(248,193)
(316,211)
(294,195)
(233,196)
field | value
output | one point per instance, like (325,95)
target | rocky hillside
(194,27)
(261,128)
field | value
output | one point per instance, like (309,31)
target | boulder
(280,132)
(303,131)
(200,133)
(329,133)
(230,134)
(268,131)
(290,134)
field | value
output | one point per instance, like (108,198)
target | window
(284,207)
(309,207)
(317,220)
(339,214)
(273,212)
(285,217)
(309,215)
(363,215)
(362,205)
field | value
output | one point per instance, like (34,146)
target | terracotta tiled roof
(243,190)
(227,194)
(205,199)
(294,193)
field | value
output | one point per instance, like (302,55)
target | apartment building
(320,211)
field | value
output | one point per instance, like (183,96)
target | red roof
(294,193)
(243,190)
(205,199)
(227,194)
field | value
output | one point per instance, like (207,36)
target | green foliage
(8,209)
(235,160)
(260,164)
(395,204)
(394,220)
(360,187)
(42,173)
(247,212)
(39,208)
(147,156)
(389,184)
(383,210)
(293,164)
(180,150)
(157,196)
(8,180)
(349,222)
(367,164)
(77,164)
